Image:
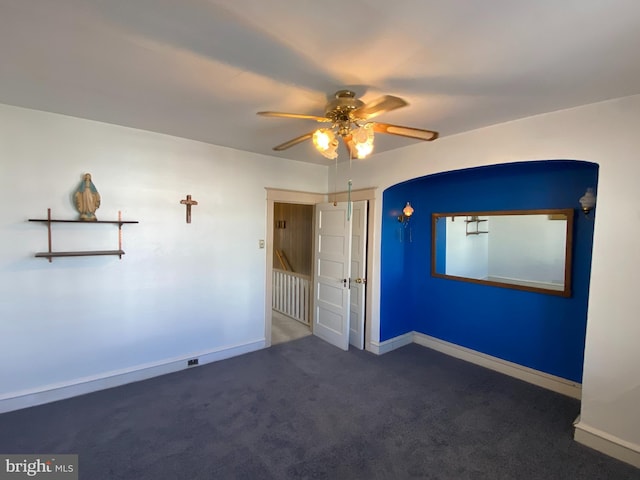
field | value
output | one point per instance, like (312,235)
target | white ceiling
(201,69)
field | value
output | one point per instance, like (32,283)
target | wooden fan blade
(294,115)
(293,142)
(410,132)
(378,106)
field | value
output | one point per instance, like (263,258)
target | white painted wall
(605,133)
(180,289)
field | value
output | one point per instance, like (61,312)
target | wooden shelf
(477,221)
(116,222)
(85,253)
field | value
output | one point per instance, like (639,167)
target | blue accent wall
(540,331)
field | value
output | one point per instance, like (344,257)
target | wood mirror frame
(549,272)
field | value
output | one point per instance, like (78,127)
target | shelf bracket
(49,231)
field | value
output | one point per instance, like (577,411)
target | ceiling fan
(350,119)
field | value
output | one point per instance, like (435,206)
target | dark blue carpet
(305,409)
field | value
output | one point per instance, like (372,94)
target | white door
(331,277)
(358,273)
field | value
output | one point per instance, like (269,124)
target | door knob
(361,280)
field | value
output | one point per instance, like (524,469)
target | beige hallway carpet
(285,329)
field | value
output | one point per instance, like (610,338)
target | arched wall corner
(538,331)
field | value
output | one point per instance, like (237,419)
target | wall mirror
(521,249)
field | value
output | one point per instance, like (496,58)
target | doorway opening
(312,199)
(292,271)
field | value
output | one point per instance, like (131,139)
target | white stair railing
(292,295)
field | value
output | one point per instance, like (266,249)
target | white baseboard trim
(80,386)
(607,444)
(536,377)
(542,379)
(380,348)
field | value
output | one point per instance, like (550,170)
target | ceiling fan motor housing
(339,110)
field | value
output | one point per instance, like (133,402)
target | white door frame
(309,198)
(280,196)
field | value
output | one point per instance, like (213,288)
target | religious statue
(87,199)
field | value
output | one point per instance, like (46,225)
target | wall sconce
(407,211)
(588,201)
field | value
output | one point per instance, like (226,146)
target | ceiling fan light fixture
(325,142)
(363,149)
(350,121)
(362,138)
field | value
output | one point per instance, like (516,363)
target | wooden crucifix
(188,202)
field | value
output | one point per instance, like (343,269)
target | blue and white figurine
(87,199)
